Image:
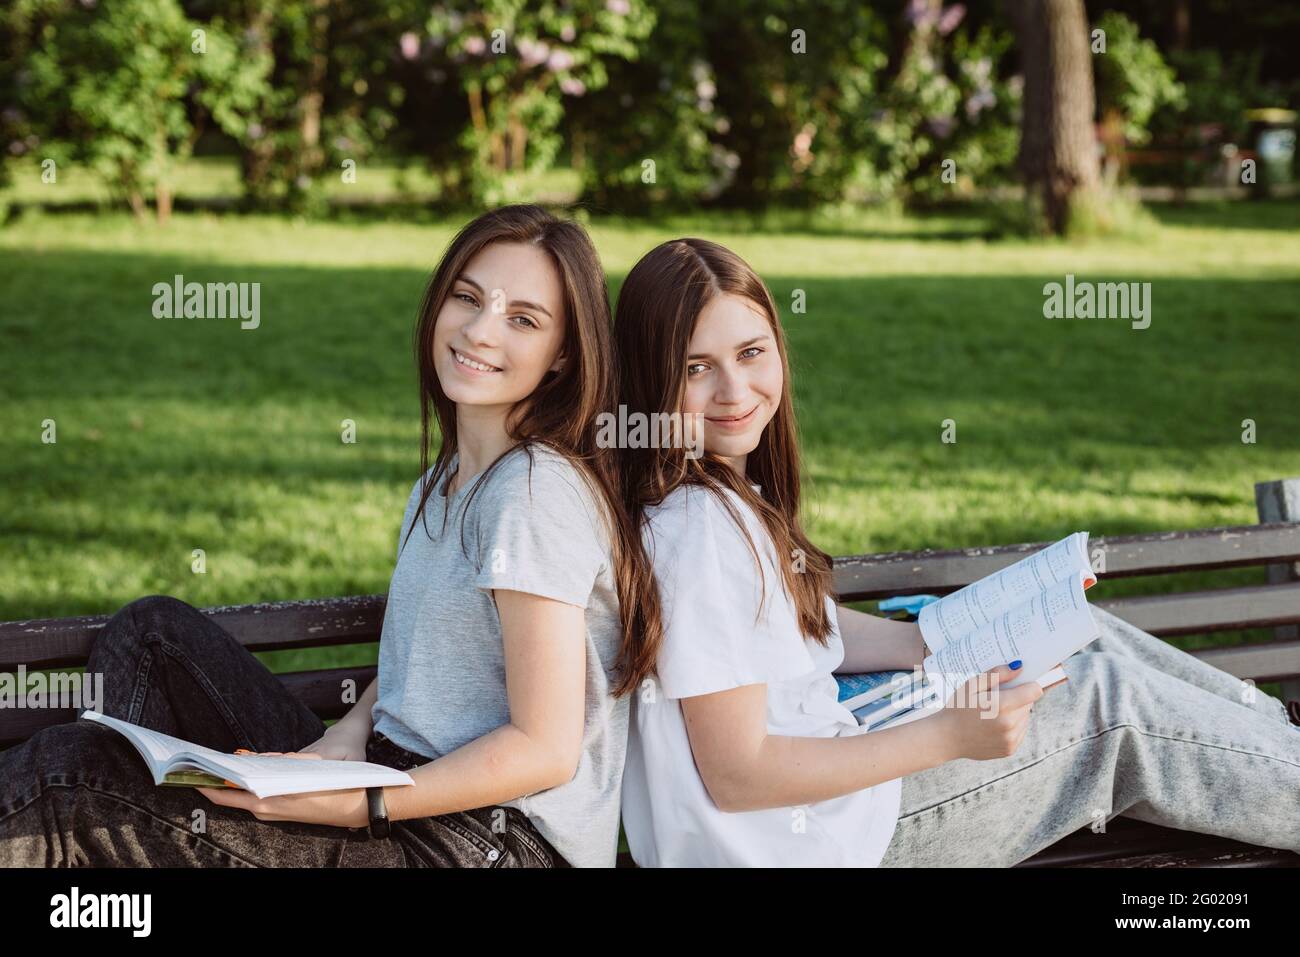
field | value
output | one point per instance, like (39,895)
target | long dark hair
(561,413)
(658,308)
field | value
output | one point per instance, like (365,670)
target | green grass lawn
(216,178)
(182,434)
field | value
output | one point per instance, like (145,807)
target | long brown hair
(561,413)
(658,308)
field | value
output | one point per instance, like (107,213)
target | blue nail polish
(1015,664)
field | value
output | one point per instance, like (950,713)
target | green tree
(335,83)
(125,89)
(1133,79)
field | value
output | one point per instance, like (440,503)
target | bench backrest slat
(1221,609)
(268,626)
(864,577)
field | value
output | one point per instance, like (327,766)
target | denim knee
(1104,681)
(1124,691)
(153,614)
(1114,629)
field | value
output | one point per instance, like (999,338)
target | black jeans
(79,794)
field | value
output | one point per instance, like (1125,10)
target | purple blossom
(982,100)
(920,14)
(475,45)
(559,60)
(567,33)
(573,86)
(620,7)
(950,17)
(941,126)
(533,52)
(410,46)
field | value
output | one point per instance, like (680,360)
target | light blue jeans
(1140,729)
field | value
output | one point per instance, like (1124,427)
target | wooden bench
(1275,543)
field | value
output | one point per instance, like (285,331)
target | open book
(1034,610)
(173,761)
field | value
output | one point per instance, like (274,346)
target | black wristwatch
(378,812)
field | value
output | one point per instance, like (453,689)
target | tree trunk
(1058,147)
(163,199)
(518,144)
(1182,26)
(255,156)
(311,157)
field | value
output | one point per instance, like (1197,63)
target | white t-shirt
(710,591)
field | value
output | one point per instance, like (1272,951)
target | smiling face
(733,377)
(501,327)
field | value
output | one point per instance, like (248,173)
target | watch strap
(379,826)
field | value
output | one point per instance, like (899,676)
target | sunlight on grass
(181,434)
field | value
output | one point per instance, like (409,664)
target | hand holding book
(340,742)
(987,718)
(1033,610)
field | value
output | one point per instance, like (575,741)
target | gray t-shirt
(442,680)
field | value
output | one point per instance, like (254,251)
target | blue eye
(754,349)
(466,298)
(528,319)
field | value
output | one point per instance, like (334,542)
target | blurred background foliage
(672,104)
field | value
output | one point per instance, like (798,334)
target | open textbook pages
(173,761)
(1033,610)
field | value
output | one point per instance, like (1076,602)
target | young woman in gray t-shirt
(509,605)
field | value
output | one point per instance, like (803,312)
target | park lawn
(216,180)
(175,435)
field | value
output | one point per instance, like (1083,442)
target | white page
(269,775)
(1042,632)
(973,607)
(157,746)
(263,775)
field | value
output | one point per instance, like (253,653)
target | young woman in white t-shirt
(739,752)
